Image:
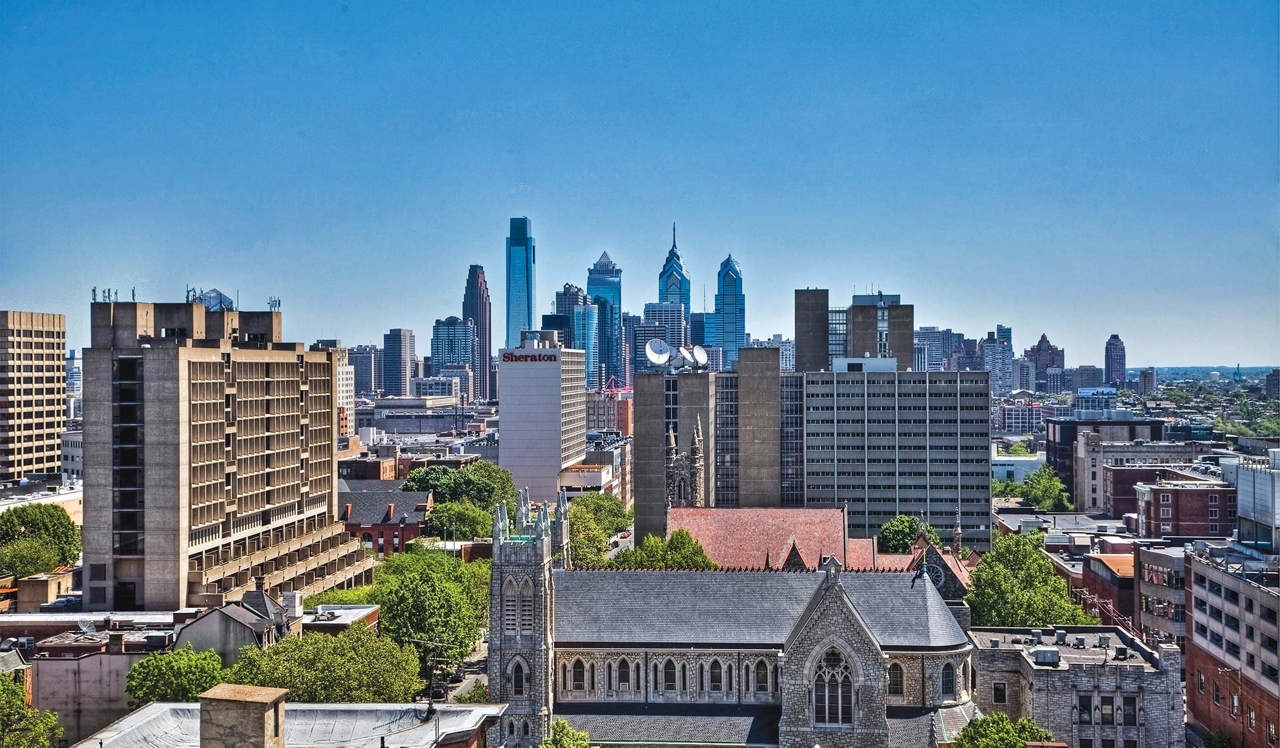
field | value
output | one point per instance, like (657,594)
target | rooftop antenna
(273,303)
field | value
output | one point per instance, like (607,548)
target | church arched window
(564,676)
(684,677)
(624,675)
(591,677)
(669,676)
(510,604)
(833,691)
(717,676)
(608,675)
(525,728)
(762,676)
(526,607)
(655,670)
(579,673)
(702,680)
(895,679)
(728,671)
(511,728)
(517,680)
(948,680)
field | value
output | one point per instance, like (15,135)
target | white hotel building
(542,410)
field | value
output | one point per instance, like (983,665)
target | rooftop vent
(1047,656)
(1122,653)
(1104,641)
(1079,642)
(1060,637)
(995,643)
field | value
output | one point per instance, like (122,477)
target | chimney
(247,716)
(346,515)
(391,511)
(115,642)
(259,583)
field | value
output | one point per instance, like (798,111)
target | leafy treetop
(1014,585)
(48,523)
(996,730)
(356,665)
(898,534)
(181,675)
(23,727)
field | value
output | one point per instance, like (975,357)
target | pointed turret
(696,450)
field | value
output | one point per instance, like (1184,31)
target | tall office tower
(672,316)
(837,334)
(544,413)
(521,280)
(210,461)
(476,307)
(673,281)
(748,427)
(699,332)
(881,326)
(33,388)
(1024,375)
(1083,376)
(1147,380)
(1114,361)
(1005,335)
(583,321)
(920,357)
(933,454)
(997,359)
(74,374)
(731,311)
(453,343)
(633,364)
(344,397)
(940,342)
(366,361)
(604,284)
(1044,356)
(812,329)
(666,405)
(399,362)
(642,333)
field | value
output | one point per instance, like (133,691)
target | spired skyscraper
(604,287)
(476,307)
(521,280)
(1114,361)
(731,310)
(673,281)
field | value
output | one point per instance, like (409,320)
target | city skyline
(922,160)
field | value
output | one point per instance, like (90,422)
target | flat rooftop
(1071,652)
(338,615)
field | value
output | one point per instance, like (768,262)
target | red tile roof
(745,537)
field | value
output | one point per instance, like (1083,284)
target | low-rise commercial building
(1183,502)
(1159,607)
(1060,441)
(1093,451)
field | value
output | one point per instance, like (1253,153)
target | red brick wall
(1120,594)
(1190,508)
(1217,717)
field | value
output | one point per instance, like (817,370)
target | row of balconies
(224,564)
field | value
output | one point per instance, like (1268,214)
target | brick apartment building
(1180,502)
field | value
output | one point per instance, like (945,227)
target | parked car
(438,693)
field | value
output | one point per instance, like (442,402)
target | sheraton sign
(529,357)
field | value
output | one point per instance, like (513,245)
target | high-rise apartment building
(582,319)
(366,362)
(544,413)
(521,280)
(881,326)
(812,313)
(453,343)
(74,374)
(399,362)
(1044,356)
(731,310)
(1005,335)
(604,287)
(1024,375)
(1271,383)
(920,357)
(210,461)
(672,317)
(344,386)
(33,389)
(640,335)
(1147,380)
(673,281)
(1114,361)
(1084,377)
(837,334)
(997,358)
(477,308)
(940,343)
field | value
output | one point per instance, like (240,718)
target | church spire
(957,536)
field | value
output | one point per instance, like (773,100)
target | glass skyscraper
(731,310)
(521,280)
(673,281)
(604,287)
(583,322)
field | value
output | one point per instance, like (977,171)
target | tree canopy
(461,520)
(898,534)
(680,551)
(21,726)
(180,675)
(48,523)
(562,735)
(996,730)
(356,665)
(26,556)
(1042,488)
(1014,585)
(481,483)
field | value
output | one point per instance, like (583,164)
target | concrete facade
(759,423)
(1094,450)
(812,330)
(33,385)
(667,403)
(881,326)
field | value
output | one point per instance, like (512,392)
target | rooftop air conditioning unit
(1060,637)
(1104,641)
(1122,653)
(1079,642)
(1047,656)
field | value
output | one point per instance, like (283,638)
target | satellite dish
(687,354)
(86,626)
(657,351)
(700,355)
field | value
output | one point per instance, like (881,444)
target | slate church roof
(732,609)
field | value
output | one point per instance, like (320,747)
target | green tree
(473,581)
(562,735)
(478,694)
(1019,449)
(26,556)
(499,487)
(1238,429)
(180,675)
(48,523)
(446,483)
(23,727)
(607,511)
(354,666)
(588,543)
(1046,491)
(462,520)
(996,730)
(681,551)
(352,596)
(1014,585)
(1218,739)
(430,612)
(898,534)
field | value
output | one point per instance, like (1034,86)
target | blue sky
(1074,168)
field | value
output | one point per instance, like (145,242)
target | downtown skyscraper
(582,320)
(673,281)
(730,326)
(1114,361)
(604,287)
(399,362)
(521,280)
(476,307)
